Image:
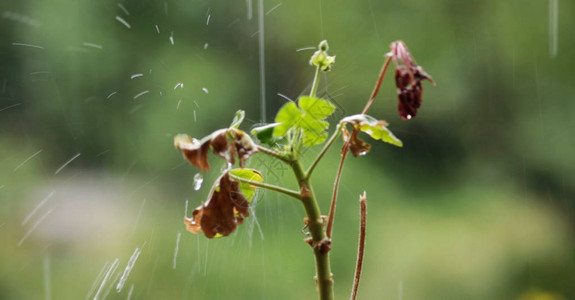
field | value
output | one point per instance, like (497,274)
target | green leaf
(314,130)
(248,190)
(375,128)
(288,116)
(309,117)
(238,118)
(315,107)
(312,121)
(265,133)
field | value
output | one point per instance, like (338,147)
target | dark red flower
(408,77)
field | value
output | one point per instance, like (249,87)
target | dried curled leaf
(377,129)
(194,151)
(408,78)
(225,209)
(357,146)
(226,143)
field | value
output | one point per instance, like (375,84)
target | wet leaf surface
(377,129)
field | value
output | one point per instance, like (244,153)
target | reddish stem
(377,84)
(345,148)
(361,244)
(331,215)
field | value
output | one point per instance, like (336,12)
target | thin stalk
(319,242)
(377,84)
(315,83)
(268,186)
(361,244)
(327,145)
(345,146)
(331,216)
(275,154)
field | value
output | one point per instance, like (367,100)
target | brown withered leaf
(232,142)
(225,209)
(193,150)
(193,223)
(245,147)
(226,143)
(357,146)
(408,78)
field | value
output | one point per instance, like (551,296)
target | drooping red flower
(408,77)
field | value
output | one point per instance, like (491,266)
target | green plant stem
(315,225)
(268,186)
(273,153)
(315,83)
(327,145)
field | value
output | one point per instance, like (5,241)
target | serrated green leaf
(315,107)
(288,116)
(309,117)
(315,110)
(248,190)
(238,118)
(314,138)
(314,130)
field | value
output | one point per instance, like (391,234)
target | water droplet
(362,153)
(198,179)
(408,117)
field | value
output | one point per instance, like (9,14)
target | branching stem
(327,145)
(345,147)
(268,186)
(275,154)
(319,242)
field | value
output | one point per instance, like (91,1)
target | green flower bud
(323,46)
(321,59)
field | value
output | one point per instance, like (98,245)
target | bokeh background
(478,204)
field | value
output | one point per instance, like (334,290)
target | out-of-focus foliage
(478,204)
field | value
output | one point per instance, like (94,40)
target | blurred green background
(478,204)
